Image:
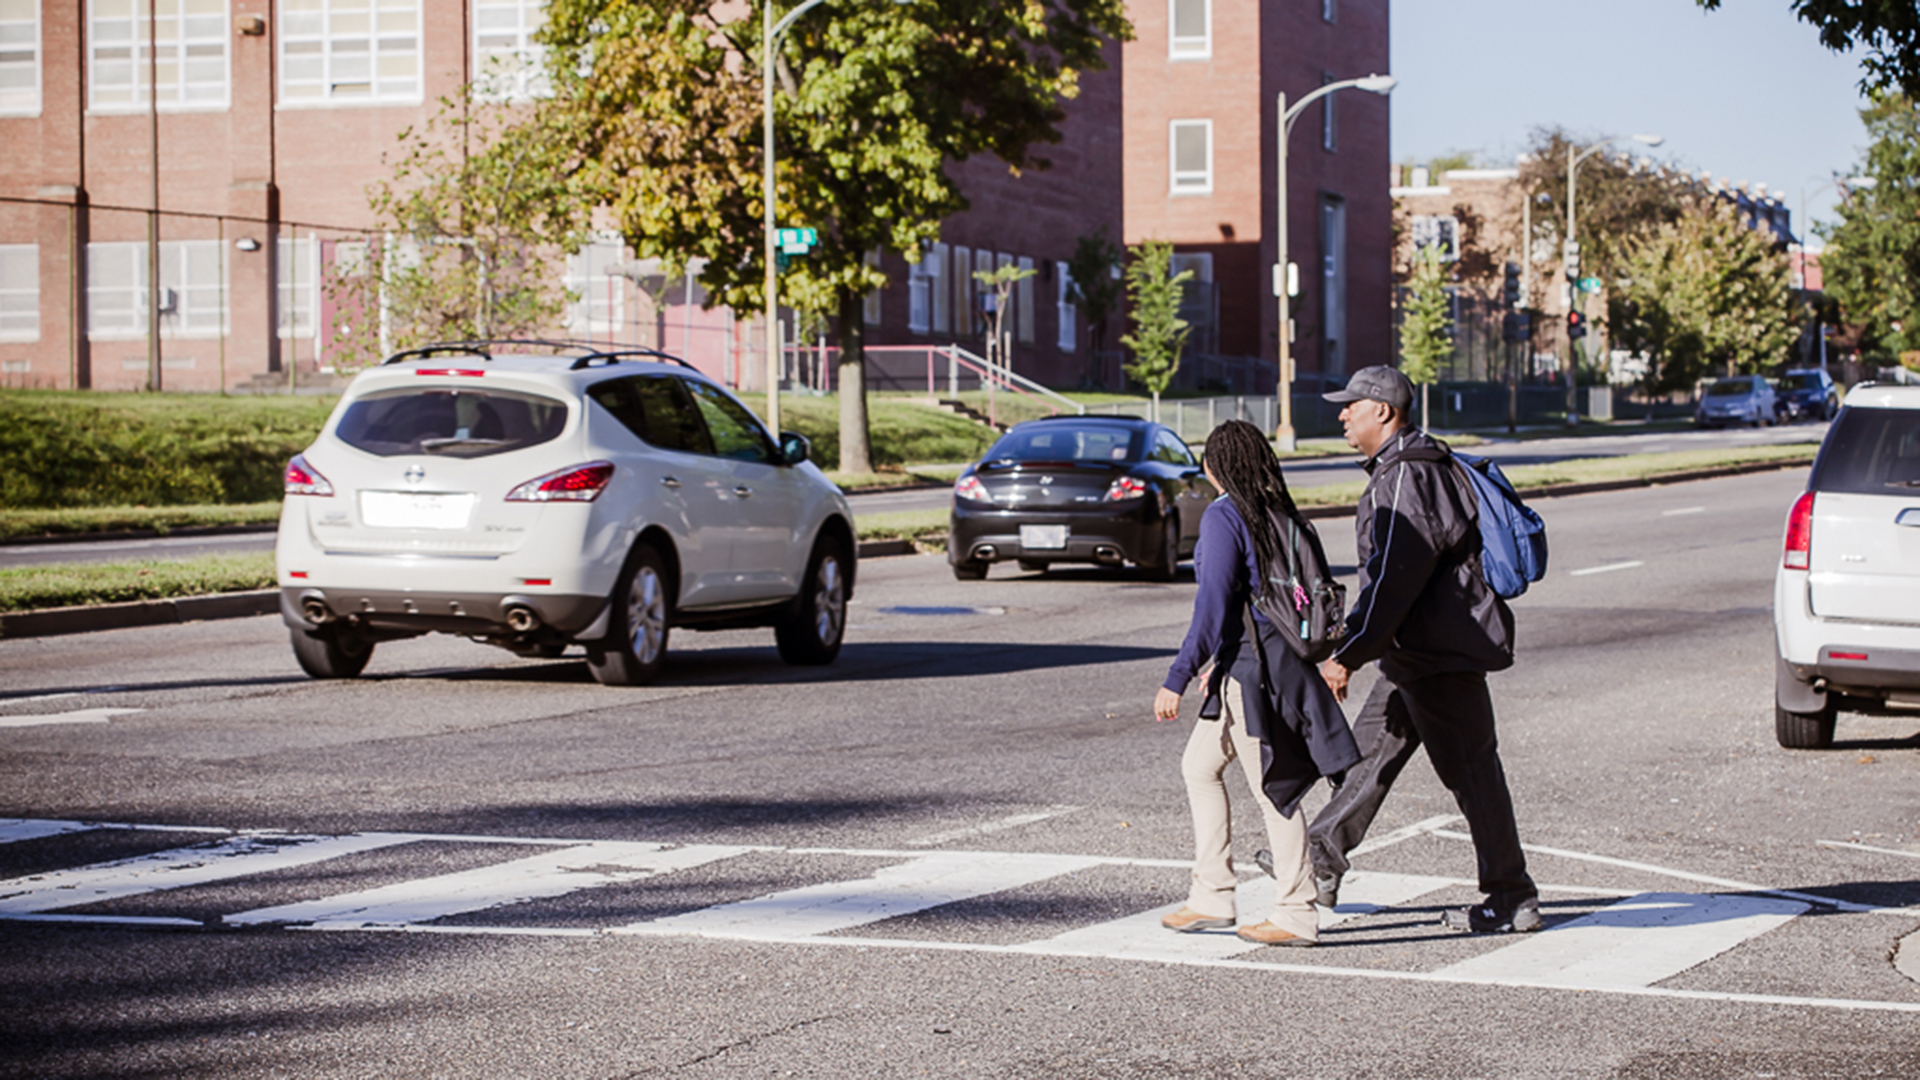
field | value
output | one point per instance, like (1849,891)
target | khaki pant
(1212,746)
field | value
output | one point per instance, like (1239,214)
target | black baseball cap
(1377,383)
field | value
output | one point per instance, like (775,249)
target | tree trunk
(856,449)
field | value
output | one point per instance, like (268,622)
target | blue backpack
(1513,539)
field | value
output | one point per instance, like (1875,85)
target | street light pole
(1570,253)
(1282,270)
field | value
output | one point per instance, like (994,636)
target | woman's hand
(1336,675)
(1166,705)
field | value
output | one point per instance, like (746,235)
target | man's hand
(1336,675)
(1166,705)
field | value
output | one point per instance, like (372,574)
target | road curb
(136,534)
(49,622)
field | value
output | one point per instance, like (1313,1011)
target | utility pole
(153,215)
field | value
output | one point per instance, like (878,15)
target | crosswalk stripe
(1141,937)
(544,876)
(1364,892)
(237,856)
(14,830)
(924,882)
(1636,942)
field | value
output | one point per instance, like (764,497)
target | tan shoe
(1266,933)
(1187,920)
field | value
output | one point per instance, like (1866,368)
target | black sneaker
(1326,889)
(1487,919)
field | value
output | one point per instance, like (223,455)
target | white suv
(532,501)
(1846,599)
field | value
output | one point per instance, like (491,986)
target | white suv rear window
(450,422)
(1871,452)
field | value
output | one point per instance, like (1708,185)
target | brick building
(273,117)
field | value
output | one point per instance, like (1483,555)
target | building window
(983,293)
(1329,133)
(1063,306)
(1190,35)
(1191,146)
(189,71)
(923,291)
(511,65)
(192,292)
(1438,231)
(870,310)
(19,292)
(19,58)
(1329,10)
(962,291)
(335,52)
(298,267)
(1023,304)
(942,299)
(598,289)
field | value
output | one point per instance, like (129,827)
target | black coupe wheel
(1804,731)
(330,652)
(811,635)
(1168,566)
(636,645)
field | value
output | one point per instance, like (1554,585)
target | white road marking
(1607,569)
(1849,845)
(544,876)
(1405,832)
(1704,879)
(60,694)
(928,881)
(1012,821)
(1363,893)
(78,716)
(1634,943)
(13,830)
(1683,511)
(238,856)
(1141,937)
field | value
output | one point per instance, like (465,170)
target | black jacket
(1288,707)
(1423,607)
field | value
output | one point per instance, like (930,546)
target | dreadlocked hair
(1240,458)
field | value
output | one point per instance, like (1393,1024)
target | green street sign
(796,241)
(1588,284)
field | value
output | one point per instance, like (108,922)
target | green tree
(1616,201)
(1703,295)
(1889,30)
(878,99)
(1426,324)
(1094,290)
(1159,333)
(1872,261)
(472,217)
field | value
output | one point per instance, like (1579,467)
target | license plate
(415,510)
(1043,536)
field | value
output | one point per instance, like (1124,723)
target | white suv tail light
(1799,553)
(578,483)
(303,479)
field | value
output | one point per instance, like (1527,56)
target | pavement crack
(742,1043)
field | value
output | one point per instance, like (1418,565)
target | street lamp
(1282,270)
(1570,250)
(770,37)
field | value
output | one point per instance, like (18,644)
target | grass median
(81,521)
(26,588)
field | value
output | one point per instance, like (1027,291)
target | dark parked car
(1809,393)
(1738,399)
(1079,489)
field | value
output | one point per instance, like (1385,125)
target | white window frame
(599,289)
(297,277)
(195,62)
(1436,230)
(509,64)
(316,68)
(1023,304)
(1066,336)
(1329,119)
(1190,47)
(19,292)
(921,277)
(1189,182)
(20,51)
(199,305)
(963,288)
(942,299)
(1329,11)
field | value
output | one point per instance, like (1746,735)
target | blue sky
(1747,91)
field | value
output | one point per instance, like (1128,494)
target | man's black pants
(1452,715)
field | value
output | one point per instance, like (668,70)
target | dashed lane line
(1012,821)
(1607,568)
(1849,845)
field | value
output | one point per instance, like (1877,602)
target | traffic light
(1516,326)
(1510,288)
(1576,326)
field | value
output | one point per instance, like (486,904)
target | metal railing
(932,368)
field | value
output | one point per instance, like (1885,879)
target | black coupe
(1079,489)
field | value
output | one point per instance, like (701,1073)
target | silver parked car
(1738,399)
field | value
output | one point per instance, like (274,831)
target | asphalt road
(1312,472)
(943,855)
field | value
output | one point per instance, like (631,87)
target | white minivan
(1846,603)
(533,499)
